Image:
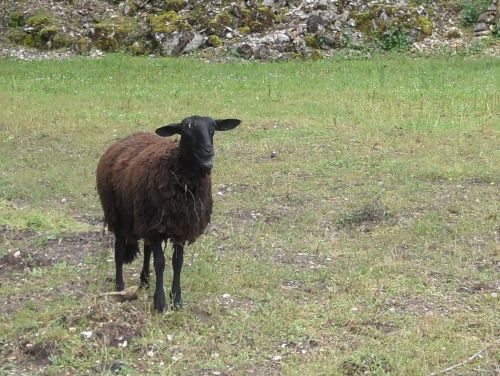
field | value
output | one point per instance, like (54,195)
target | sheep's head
(197,136)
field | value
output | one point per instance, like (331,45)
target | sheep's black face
(197,134)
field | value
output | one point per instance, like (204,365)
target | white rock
(86,334)
(281,38)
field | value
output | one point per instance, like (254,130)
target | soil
(37,250)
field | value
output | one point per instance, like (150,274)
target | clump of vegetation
(373,212)
(396,38)
(365,364)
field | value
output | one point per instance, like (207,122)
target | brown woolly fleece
(150,190)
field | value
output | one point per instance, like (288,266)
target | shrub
(470,10)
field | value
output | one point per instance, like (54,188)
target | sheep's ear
(226,124)
(169,130)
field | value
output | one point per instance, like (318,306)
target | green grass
(367,245)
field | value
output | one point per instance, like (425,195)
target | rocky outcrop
(488,22)
(250,29)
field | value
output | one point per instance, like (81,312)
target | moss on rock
(168,22)
(214,41)
(16,19)
(16,36)
(363,21)
(258,19)
(40,19)
(218,24)
(383,18)
(426,25)
(114,34)
(137,48)
(311,41)
(244,30)
(62,41)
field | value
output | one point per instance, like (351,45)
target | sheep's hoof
(160,308)
(120,287)
(159,303)
(144,281)
(176,300)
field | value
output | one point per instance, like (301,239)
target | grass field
(356,224)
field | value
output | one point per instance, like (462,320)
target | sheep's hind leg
(177,260)
(119,252)
(145,265)
(159,264)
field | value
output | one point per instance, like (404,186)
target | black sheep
(156,189)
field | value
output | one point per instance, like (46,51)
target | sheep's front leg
(145,265)
(159,264)
(177,260)
(119,252)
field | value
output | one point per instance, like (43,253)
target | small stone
(17,254)
(262,52)
(226,296)
(150,353)
(86,334)
(274,154)
(245,51)
(282,38)
(345,16)
(72,330)
(322,4)
(314,24)
(481,26)
(277,358)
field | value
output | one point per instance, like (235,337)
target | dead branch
(468,360)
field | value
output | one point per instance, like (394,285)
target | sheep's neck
(187,164)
